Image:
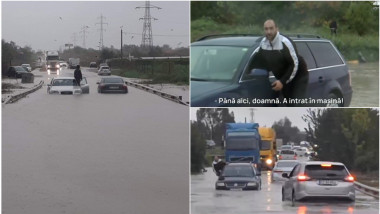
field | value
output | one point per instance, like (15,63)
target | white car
(27,66)
(288,155)
(64,85)
(104,70)
(282,166)
(63,65)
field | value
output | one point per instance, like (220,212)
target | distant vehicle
(223,69)
(242,143)
(63,64)
(52,62)
(296,147)
(282,166)
(93,65)
(302,152)
(64,85)
(243,176)
(112,84)
(268,147)
(73,62)
(318,179)
(288,155)
(16,71)
(102,64)
(104,70)
(27,66)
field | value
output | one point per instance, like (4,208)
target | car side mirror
(98,83)
(285,175)
(257,72)
(221,178)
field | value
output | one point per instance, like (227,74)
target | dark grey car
(223,74)
(242,176)
(112,84)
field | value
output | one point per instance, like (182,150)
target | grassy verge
(349,44)
(160,74)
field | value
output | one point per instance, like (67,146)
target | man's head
(216,158)
(78,66)
(270,29)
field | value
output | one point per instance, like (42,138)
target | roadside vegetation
(358,22)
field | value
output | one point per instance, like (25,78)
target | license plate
(327,182)
(113,87)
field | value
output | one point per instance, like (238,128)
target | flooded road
(365,84)
(206,200)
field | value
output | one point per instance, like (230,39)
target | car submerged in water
(223,74)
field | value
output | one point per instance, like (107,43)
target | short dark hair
(78,66)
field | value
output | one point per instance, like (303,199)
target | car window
(304,51)
(287,152)
(238,171)
(215,63)
(324,54)
(64,82)
(328,172)
(113,80)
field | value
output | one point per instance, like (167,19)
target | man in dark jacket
(218,165)
(279,55)
(78,75)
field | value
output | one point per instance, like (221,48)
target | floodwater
(365,84)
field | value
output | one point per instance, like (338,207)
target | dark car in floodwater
(223,73)
(242,176)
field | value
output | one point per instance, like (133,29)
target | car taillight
(125,87)
(280,157)
(303,178)
(295,157)
(349,77)
(349,178)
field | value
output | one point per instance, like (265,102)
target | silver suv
(318,179)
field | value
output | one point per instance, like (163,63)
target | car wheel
(293,199)
(333,96)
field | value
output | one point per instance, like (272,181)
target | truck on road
(73,62)
(52,61)
(268,147)
(242,143)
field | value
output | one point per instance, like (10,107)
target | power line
(101,29)
(158,34)
(84,31)
(147,38)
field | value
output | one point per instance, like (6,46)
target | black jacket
(78,74)
(281,57)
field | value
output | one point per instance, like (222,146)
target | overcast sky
(50,25)
(266,116)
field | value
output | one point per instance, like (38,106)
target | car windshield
(265,145)
(286,164)
(215,63)
(286,147)
(105,68)
(241,141)
(113,80)
(19,68)
(332,172)
(64,82)
(238,171)
(287,152)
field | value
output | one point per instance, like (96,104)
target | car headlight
(220,184)
(269,161)
(57,66)
(77,91)
(48,66)
(252,184)
(54,92)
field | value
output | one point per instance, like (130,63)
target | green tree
(198,149)
(287,132)
(360,17)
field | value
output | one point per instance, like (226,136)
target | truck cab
(242,143)
(268,149)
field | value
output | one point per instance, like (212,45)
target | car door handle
(320,79)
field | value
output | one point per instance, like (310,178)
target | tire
(293,199)
(333,96)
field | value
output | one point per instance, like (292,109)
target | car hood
(205,89)
(64,88)
(239,179)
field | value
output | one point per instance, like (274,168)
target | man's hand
(277,85)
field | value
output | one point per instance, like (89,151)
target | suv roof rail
(212,36)
(299,35)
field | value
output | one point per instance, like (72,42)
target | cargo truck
(268,147)
(242,143)
(73,62)
(52,62)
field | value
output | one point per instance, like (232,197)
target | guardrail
(367,189)
(16,97)
(177,99)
